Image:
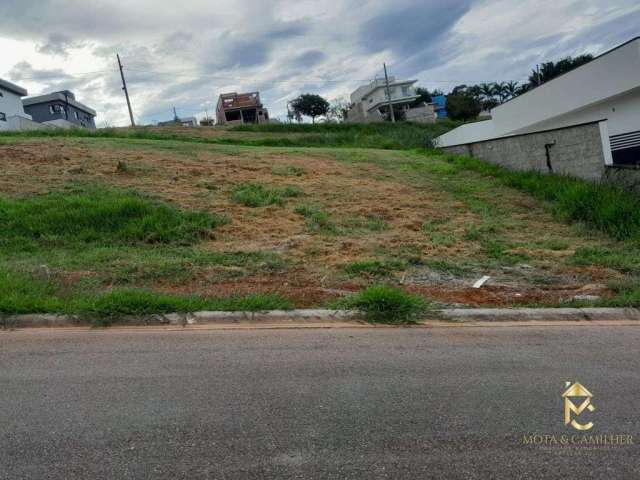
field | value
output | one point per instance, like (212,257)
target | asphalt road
(350,403)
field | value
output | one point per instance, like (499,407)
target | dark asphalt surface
(327,404)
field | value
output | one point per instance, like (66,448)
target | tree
(310,105)
(511,89)
(462,105)
(551,70)
(424,96)
(338,110)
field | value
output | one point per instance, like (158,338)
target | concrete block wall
(576,151)
(626,177)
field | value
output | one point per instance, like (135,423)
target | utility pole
(386,79)
(175,115)
(126,92)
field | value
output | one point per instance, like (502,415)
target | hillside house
(240,108)
(370,103)
(12,113)
(585,122)
(60,109)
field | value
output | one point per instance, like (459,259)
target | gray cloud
(58,44)
(309,59)
(185,55)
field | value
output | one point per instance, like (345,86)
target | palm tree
(511,89)
(500,91)
(487,91)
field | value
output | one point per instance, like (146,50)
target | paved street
(443,403)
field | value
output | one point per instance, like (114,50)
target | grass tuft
(288,171)
(374,268)
(384,304)
(317,220)
(257,195)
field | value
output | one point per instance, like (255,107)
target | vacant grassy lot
(90,224)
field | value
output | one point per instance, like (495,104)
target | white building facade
(607,89)
(370,102)
(11,109)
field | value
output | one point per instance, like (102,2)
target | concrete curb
(282,317)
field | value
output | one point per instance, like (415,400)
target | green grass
(384,304)
(398,136)
(94,214)
(384,136)
(374,268)
(287,171)
(625,260)
(627,294)
(258,195)
(320,221)
(366,223)
(317,220)
(21,294)
(601,206)
(114,237)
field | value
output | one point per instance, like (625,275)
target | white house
(11,109)
(607,89)
(370,102)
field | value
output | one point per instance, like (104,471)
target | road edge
(297,317)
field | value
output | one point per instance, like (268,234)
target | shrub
(383,304)
(257,195)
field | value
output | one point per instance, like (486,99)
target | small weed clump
(318,220)
(374,268)
(256,195)
(288,171)
(367,223)
(384,304)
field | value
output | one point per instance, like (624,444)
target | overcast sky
(185,53)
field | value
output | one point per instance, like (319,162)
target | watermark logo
(577,407)
(582,395)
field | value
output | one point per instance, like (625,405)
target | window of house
(233,116)
(75,114)
(406,92)
(3,117)
(56,109)
(1,94)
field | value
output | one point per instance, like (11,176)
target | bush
(383,304)
(99,215)
(256,195)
